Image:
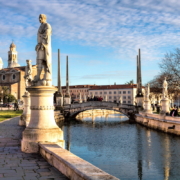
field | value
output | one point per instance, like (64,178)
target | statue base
(25,117)
(139,101)
(147,106)
(165,106)
(59,100)
(67,100)
(42,126)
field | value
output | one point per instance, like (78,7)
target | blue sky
(101,37)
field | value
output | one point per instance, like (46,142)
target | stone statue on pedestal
(28,73)
(165,86)
(43,49)
(147,91)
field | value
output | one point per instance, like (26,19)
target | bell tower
(12,56)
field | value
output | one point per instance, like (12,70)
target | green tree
(130,82)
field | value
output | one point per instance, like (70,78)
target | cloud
(123,25)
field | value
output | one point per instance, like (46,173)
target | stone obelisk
(139,96)
(67,98)
(42,127)
(59,96)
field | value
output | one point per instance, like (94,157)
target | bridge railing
(91,103)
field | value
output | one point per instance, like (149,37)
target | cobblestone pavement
(16,165)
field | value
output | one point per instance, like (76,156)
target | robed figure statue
(43,49)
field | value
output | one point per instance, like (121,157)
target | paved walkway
(16,165)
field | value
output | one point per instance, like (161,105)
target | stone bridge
(72,110)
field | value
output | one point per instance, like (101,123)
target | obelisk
(59,96)
(67,98)
(139,96)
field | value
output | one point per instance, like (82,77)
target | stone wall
(71,165)
(163,123)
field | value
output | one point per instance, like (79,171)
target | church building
(13,75)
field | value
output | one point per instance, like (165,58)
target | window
(129,92)
(124,97)
(129,97)
(96,92)
(13,76)
(100,92)
(129,102)
(114,97)
(110,92)
(3,77)
(114,92)
(109,97)
(124,92)
(124,102)
(105,92)
(119,92)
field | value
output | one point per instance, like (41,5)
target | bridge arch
(72,110)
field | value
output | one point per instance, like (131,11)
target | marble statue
(43,49)
(147,91)
(165,86)
(28,73)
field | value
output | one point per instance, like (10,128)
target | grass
(9,114)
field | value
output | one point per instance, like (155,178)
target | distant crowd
(95,98)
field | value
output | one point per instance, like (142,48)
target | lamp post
(1,99)
(7,101)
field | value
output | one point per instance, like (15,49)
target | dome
(1,61)
(12,45)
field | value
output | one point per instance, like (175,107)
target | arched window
(3,77)
(13,76)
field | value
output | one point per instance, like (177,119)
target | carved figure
(28,73)
(43,49)
(165,86)
(147,91)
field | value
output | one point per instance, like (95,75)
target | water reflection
(127,151)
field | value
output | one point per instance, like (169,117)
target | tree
(130,82)
(170,66)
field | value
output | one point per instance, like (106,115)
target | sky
(100,37)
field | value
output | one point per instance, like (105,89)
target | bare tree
(170,67)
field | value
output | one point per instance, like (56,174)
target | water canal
(127,151)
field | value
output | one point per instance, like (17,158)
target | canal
(127,151)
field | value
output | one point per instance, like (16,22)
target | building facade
(13,76)
(113,93)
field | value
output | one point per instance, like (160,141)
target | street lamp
(1,99)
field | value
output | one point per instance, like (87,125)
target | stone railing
(71,165)
(163,123)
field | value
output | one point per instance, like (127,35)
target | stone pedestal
(165,105)
(147,106)
(25,117)
(42,126)
(67,100)
(59,101)
(139,101)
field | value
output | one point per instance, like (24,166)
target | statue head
(42,18)
(28,61)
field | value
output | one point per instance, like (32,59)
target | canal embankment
(71,165)
(160,122)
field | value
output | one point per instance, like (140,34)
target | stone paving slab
(16,165)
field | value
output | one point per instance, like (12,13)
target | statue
(28,73)
(165,86)
(147,91)
(43,49)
